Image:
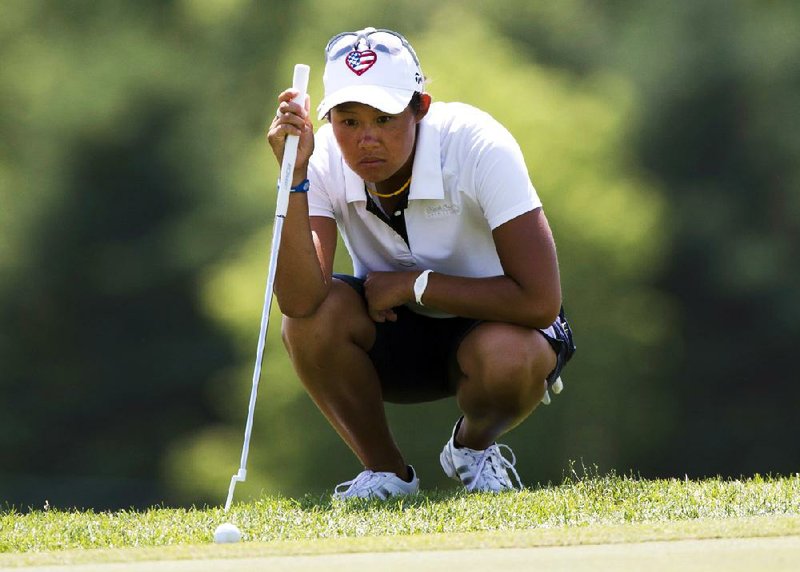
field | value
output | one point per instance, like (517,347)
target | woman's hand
(292,119)
(387,290)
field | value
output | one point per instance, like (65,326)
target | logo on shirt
(441,211)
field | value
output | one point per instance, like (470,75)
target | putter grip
(299,83)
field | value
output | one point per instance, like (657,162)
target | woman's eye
(384,119)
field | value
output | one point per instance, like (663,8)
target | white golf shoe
(371,485)
(480,471)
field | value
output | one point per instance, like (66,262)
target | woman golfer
(456,289)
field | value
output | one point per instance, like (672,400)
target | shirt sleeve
(503,186)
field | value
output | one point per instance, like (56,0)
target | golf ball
(227,533)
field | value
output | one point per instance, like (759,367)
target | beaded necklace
(389,195)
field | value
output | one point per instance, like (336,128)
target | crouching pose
(456,289)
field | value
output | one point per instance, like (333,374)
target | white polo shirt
(468,178)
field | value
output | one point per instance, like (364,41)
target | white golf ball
(227,533)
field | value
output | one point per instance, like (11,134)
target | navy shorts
(416,356)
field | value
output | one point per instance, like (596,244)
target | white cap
(374,67)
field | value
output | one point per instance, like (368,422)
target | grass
(580,510)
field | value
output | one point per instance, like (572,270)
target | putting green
(776,554)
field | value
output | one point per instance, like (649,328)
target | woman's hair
(415,104)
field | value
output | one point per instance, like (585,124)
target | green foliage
(120,185)
(136,198)
(719,132)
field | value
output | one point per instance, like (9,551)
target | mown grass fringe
(579,501)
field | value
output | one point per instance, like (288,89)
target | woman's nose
(367,138)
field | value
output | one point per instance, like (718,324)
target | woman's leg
(329,353)
(503,369)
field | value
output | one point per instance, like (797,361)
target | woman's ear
(424,106)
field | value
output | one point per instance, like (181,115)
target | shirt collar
(426,181)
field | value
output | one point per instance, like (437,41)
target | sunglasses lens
(379,40)
(340,44)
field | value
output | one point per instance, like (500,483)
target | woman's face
(375,144)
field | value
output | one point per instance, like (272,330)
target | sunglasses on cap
(379,40)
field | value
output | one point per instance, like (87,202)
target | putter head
(241,476)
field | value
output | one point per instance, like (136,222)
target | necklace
(389,195)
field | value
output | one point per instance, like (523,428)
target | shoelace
(361,481)
(498,465)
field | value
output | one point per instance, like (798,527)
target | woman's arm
(305,261)
(528,294)
(308,244)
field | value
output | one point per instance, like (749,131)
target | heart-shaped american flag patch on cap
(360,61)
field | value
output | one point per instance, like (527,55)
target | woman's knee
(508,363)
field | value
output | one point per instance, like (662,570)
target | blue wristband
(302,187)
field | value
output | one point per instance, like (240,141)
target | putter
(299,83)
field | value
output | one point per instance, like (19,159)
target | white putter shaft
(299,83)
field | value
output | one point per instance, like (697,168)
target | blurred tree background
(137,195)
